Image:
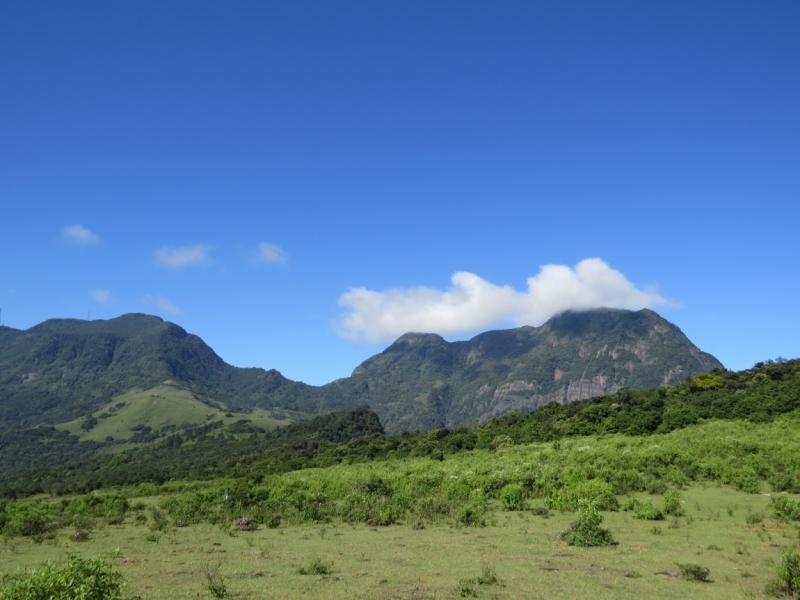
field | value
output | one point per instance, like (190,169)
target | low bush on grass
(754,518)
(27,519)
(513,497)
(787,580)
(314,567)
(214,582)
(672,504)
(77,579)
(586,531)
(785,508)
(488,577)
(160,520)
(694,572)
(644,510)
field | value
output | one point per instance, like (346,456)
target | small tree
(586,531)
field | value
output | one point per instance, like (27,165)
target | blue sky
(295,182)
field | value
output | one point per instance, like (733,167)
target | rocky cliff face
(422,381)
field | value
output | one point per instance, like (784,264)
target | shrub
(754,518)
(596,491)
(78,579)
(27,519)
(315,567)
(672,504)
(471,514)
(513,497)
(694,572)
(645,511)
(785,508)
(586,531)
(787,581)
(245,524)
(488,577)
(465,589)
(274,521)
(160,520)
(214,582)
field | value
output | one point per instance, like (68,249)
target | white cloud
(103,297)
(183,256)
(78,234)
(270,253)
(472,303)
(163,303)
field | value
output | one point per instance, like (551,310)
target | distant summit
(423,381)
(64,368)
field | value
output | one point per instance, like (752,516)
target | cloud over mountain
(472,303)
(103,297)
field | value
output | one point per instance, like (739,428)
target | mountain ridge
(63,368)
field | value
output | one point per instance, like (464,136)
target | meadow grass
(163,405)
(520,548)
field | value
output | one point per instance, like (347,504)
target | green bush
(596,491)
(28,519)
(646,511)
(787,581)
(785,508)
(160,520)
(472,514)
(694,572)
(78,579)
(586,531)
(513,497)
(314,567)
(672,504)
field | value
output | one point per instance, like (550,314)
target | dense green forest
(758,395)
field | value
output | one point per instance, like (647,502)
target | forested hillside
(63,369)
(757,395)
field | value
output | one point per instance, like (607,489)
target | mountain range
(63,369)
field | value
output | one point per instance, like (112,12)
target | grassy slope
(401,562)
(168,404)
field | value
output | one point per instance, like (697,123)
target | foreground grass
(440,561)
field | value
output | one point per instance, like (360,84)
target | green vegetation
(522,550)
(77,579)
(787,580)
(66,370)
(562,501)
(694,572)
(759,395)
(586,531)
(142,416)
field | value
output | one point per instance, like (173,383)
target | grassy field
(720,531)
(167,404)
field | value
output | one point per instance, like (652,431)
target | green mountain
(422,381)
(65,369)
